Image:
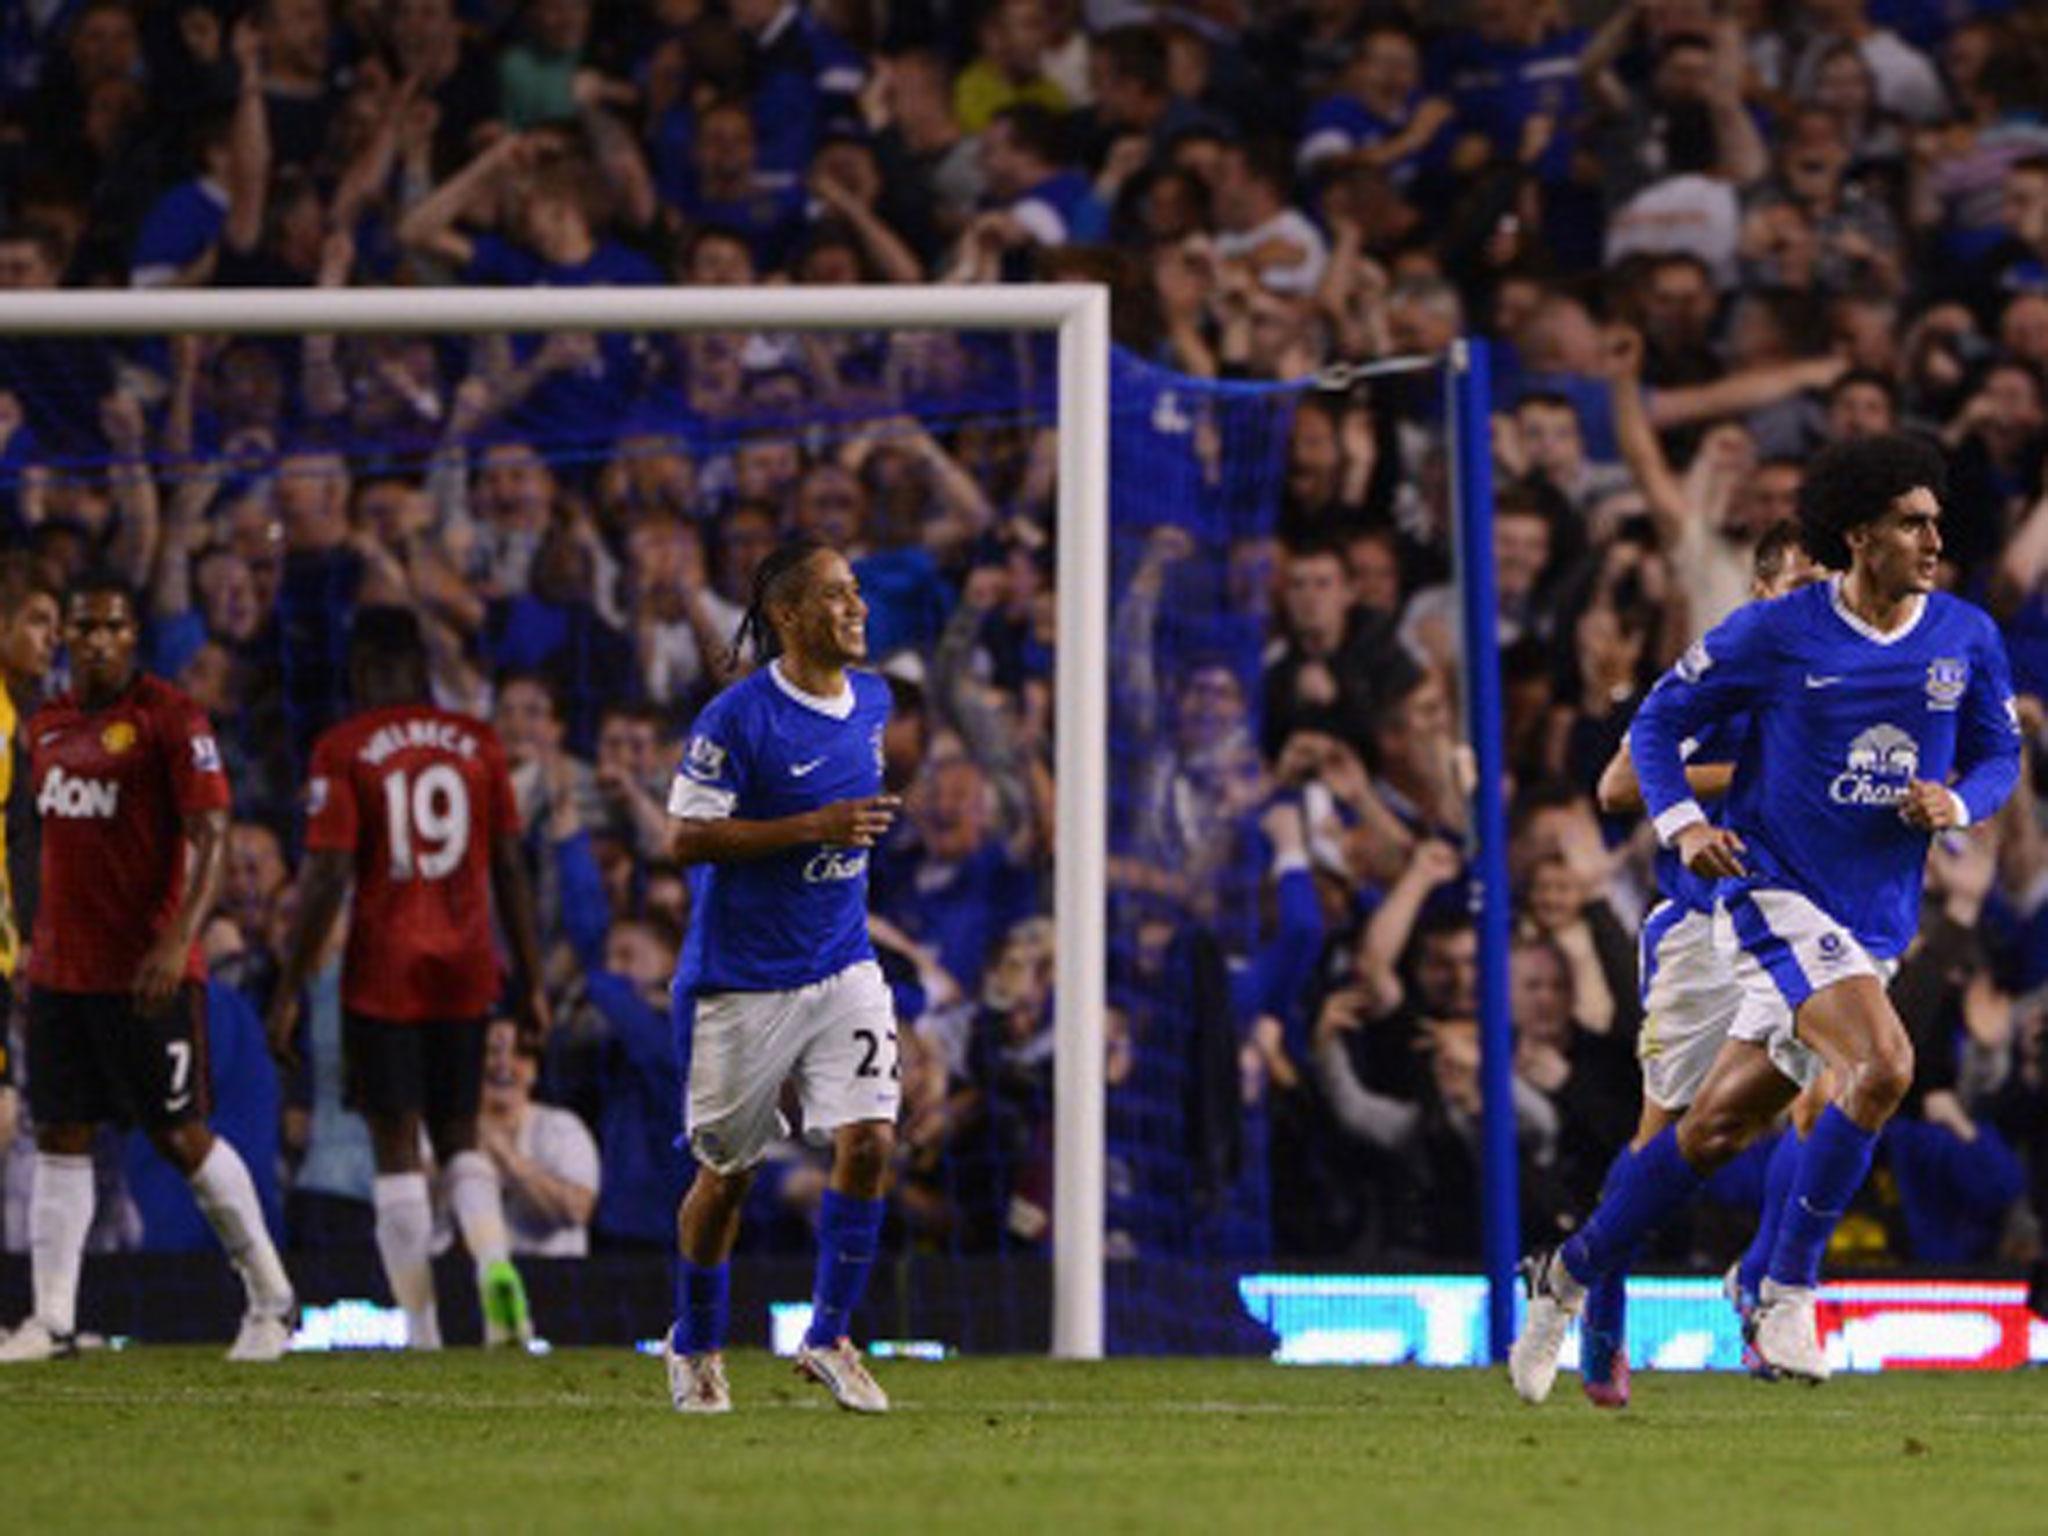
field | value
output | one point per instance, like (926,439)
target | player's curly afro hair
(1852,483)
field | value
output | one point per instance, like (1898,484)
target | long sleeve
(643,1030)
(1281,969)
(1385,1122)
(1988,734)
(1717,677)
(584,907)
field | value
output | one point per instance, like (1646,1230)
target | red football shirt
(113,788)
(415,794)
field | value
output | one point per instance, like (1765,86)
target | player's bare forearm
(323,886)
(207,835)
(1621,792)
(162,970)
(730,840)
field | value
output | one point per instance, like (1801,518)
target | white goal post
(1080,315)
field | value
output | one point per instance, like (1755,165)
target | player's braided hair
(773,579)
(1855,482)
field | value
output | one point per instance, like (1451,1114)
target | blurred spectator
(544,1157)
(1008,69)
(1705,241)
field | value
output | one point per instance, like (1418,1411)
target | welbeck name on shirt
(438,734)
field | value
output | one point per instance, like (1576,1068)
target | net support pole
(1080,876)
(1469,381)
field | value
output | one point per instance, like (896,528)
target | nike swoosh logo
(798,770)
(1822,682)
(173,1105)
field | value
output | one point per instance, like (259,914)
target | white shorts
(1689,1001)
(834,1041)
(1781,950)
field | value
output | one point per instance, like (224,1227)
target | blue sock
(1779,1177)
(1604,1323)
(703,1305)
(1831,1169)
(849,1232)
(1643,1193)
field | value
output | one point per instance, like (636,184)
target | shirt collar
(839,706)
(1868,630)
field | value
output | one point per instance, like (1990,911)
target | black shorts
(434,1070)
(92,1057)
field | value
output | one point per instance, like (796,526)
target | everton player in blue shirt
(1687,987)
(1866,694)
(775,807)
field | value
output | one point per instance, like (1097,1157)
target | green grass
(174,1439)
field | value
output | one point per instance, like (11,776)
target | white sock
(478,1201)
(405,1237)
(227,1195)
(59,1217)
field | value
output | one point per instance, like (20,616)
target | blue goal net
(577,519)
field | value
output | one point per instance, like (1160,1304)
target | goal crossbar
(1079,314)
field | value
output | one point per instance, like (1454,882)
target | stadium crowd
(1706,237)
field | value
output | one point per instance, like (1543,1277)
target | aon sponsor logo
(1882,762)
(75,799)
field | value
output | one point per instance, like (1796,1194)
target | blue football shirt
(1842,720)
(761,751)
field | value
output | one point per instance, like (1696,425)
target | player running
(1864,694)
(1688,993)
(30,616)
(134,808)
(414,805)
(776,805)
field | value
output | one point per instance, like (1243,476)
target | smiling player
(776,804)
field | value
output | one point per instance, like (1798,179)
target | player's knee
(717,1192)
(862,1152)
(395,1143)
(64,1140)
(449,1137)
(184,1146)
(1885,1077)
(1710,1137)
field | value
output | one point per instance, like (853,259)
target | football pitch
(174,1439)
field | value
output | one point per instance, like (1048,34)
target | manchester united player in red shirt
(134,806)
(414,805)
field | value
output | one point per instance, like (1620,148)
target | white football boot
(696,1383)
(264,1337)
(1555,1299)
(1787,1338)
(839,1371)
(33,1342)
